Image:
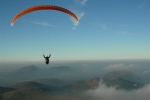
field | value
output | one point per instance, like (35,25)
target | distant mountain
(25,94)
(33,85)
(29,84)
(82,85)
(124,75)
(122,83)
(5,89)
(123,79)
(39,94)
(27,89)
(25,73)
(28,68)
(32,72)
(94,83)
(59,84)
(60,69)
(90,84)
(44,76)
(51,81)
(118,74)
(30,90)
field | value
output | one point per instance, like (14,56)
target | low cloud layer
(119,67)
(111,93)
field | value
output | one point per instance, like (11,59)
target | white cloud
(103,26)
(111,93)
(42,23)
(119,67)
(141,5)
(145,72)
(126,33)
(81,2)
(78,13)
(76,23)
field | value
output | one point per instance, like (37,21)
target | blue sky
(107,29)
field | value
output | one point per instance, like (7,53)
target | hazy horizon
(87,67)
(137,71)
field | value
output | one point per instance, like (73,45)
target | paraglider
(47,58)
(43,7)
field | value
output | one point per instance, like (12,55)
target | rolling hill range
(63,73)
(33,83)
(5,89)
(124,75)
(31,90)
(32,72)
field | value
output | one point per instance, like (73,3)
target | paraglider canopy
(43,7)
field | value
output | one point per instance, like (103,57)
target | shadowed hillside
(5,89)
(51,81)
(124,75)
(31,84)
